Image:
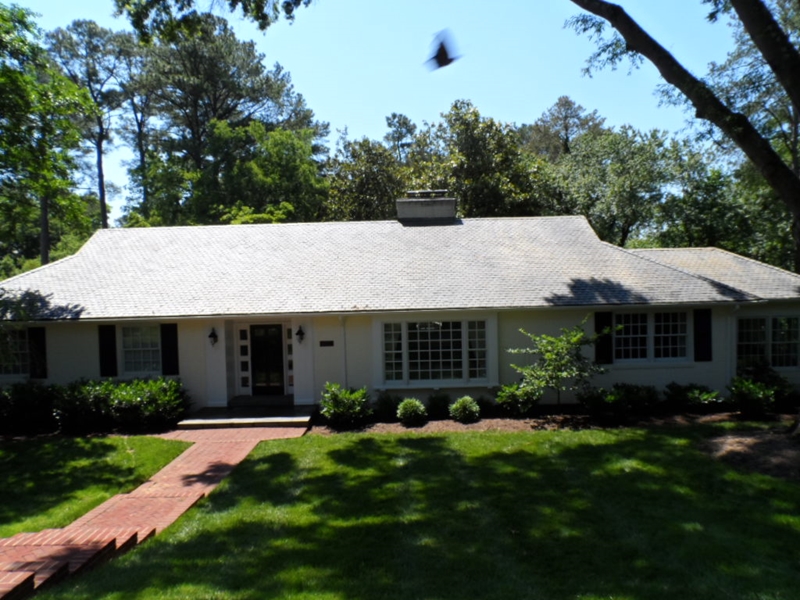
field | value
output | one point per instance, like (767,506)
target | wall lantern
(213,336)
(300,334)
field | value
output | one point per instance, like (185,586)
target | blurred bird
(444,49)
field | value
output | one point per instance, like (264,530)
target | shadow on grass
(57,474)
(623,514)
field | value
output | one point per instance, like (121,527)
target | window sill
(436,385)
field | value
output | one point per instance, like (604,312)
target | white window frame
(402,361)
(125,349)
(651,336)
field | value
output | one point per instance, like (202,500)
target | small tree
(559,362)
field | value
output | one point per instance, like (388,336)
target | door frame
(242,353)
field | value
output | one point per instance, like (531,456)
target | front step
(219,423)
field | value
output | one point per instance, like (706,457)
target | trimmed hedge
(82,407)
(412,412)
(344,409)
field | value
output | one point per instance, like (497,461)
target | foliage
(692,397)
(518,400)
(559,363)
(753,399)
(385,409)
(490,175)
(623,400)
(554,133)
(616,179)
(90,56)
(170,18)
(411,412)
(465,410)
(438,406)
(39,108)
(365,180)
(752,98)
(344,409)
(139,405)
(26,408)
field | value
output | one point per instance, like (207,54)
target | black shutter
(702,335)
(108,350)
(37,353)
(604,346)
(169,349)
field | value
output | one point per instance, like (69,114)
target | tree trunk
(736,126)
(101,180)
(44,226)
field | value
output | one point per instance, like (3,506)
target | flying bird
(444,51)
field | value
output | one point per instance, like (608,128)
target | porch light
(300,334)
(213,336)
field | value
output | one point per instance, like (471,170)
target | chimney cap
(427,193)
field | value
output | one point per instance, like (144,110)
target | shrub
(692,396)
(412,412)
(438,405)
(621,401)
(518,400)
(465,410)
(344,409)
(386,407)
(28,408)
(751,398)
(144,405)
(84,407)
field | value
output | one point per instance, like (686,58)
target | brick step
(31,560)
(16,585)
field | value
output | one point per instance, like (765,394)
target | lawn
(51,481)
(599,514)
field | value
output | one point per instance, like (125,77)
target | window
(669,336)
(630,339)
(771,341)
(643,336)
(141,349)
(14,354)
(435,351)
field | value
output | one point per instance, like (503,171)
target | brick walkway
(30,560)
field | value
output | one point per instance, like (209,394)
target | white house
(426,302)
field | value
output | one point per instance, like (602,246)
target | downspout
(342,321)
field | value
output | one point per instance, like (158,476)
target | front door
(266,358)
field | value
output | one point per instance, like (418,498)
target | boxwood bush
(438,405)
(412,412)
(465,410)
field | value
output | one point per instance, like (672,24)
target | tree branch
(707,105)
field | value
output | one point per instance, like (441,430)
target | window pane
(14,358)
(630,336)
(751,342)
(393,351)
(785,341)
(141,349)
(437,351)
(476,336)
(669,335)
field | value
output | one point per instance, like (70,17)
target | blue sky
(357,61)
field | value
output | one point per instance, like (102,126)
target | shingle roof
(742,273)
(355,267)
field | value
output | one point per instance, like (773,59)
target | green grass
(629,514)
(51,481)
